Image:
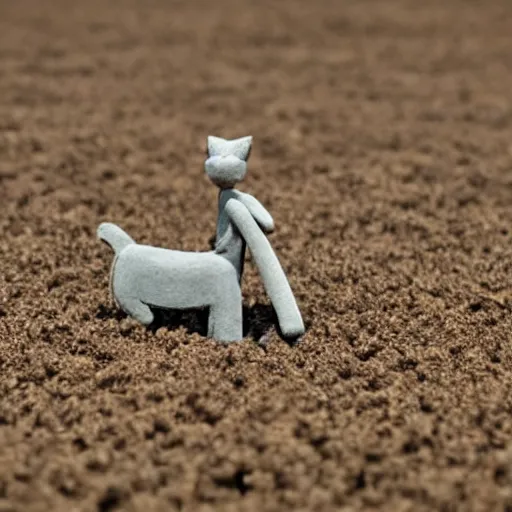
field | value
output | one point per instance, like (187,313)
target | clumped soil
(382,147)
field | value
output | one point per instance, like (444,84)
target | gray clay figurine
(143,277)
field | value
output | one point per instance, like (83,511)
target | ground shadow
(258,321)
(193,320)
(105,312)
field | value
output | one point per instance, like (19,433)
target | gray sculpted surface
(144,277)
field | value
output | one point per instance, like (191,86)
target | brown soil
(383,148)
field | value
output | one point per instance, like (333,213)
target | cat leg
(136,309)
(128,302)
(225,321)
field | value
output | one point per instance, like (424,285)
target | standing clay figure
(143,277)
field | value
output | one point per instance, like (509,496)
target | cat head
(226,162)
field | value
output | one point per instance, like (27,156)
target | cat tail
(272,274)
(114,236)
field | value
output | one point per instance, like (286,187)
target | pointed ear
(215,145)
(241,148)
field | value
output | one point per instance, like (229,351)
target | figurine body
(145,277)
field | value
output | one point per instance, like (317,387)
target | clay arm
(257,210)
(272,274)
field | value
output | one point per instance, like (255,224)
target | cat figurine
(145,277)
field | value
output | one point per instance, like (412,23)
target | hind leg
(136,309)
(129,303)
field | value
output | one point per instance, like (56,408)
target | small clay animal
(145,277)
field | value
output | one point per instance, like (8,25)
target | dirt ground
(383,149)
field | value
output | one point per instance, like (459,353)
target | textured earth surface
(382,147)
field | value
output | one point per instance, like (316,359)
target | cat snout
(225,170)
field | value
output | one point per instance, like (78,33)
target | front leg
(225,321)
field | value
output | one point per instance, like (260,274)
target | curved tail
(114,236)
(272,274)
